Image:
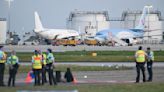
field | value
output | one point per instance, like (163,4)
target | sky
(55,12)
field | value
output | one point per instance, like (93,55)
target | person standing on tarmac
(13,62)
(2,65)
(50,60)
(150,60)
(37,66)
(44,57)
(140,56)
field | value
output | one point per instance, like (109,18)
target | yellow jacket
(140,56)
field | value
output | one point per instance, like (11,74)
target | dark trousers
(2,69)
(150,71)
(140,66)
(44,79)
(12,75)
(51,76)
(37,73)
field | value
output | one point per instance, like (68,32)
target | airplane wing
(137,30)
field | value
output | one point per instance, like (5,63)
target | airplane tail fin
(38,24)
(141,24)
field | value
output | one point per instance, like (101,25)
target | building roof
(125,13)
(74,13)
(2,19)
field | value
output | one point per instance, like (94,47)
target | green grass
(142,87)
(25,69)
(102,56)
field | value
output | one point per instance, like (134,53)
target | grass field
(102,56)
(141,87)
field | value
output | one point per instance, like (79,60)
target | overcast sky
(55,12)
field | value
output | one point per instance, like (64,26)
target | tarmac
(109,64)
(100,77)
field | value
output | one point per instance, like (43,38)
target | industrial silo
(3,30)
(88,22)
(153,23)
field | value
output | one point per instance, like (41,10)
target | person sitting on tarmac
(68,75)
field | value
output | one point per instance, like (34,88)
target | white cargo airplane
(52,34)
(126,34)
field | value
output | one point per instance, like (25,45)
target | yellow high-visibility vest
(150,56)
(37,64)
(140,56)
(4,58)
(49,56)
(44,59)
(13,59)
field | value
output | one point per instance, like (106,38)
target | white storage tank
(3,30)
(88,22)
(153,23)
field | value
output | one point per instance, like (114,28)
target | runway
(109,64)
(100,77)
(8,48)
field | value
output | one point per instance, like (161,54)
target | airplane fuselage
(119,33)
(51,34)
(57,33)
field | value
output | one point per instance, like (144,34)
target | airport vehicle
(90,42)
(30,43)
(65,42)
(52,34)
(123,36)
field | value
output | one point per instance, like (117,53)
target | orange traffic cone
(74,80)
(28,79)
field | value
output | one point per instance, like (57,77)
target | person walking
(13,62)
(50,60)
(140,56)
(150,60)
(37,67)
(2,65)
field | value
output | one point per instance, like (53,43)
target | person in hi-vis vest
(37,67)
(50,60)
(13,63)
(2,65)
(150,60)
(44,70)
(140,56)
